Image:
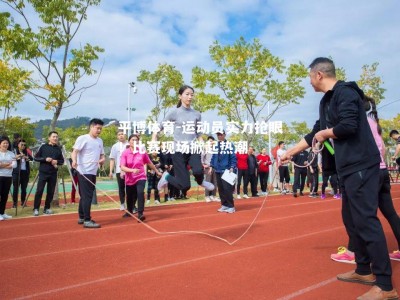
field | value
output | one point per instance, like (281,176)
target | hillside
(73,122)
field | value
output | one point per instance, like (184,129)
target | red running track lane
(285,255)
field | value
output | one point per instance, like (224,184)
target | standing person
(385,198)
(182,116)
(87,155)
(7,164)
(284,176)
(313,174)
(132,163)
(21,173)
(50,157)
(153,178)
(253,169)
(342,118)
(210,176)
(224,159)
(300,172)
(115,159)
(394,134)
(263,161)
(329,173)
(242,173)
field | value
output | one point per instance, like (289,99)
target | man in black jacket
(342,118)
(50,157)
(300,172)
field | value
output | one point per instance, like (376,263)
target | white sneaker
(223,208)
(230,210)
(208,199)
(148,202)
(163,181)
(245,196)
(156,202)
(1,218)
(238,196)
(276,190)
(36,212)
(215,199)
(122,207)
(207,185)
(6,217)
(171,199)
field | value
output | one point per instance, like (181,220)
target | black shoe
(126,215)
(301,194)
(91,224)
(295,195)
(14,205)
(141,217)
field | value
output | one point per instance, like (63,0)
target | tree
(164,82)
(44,40)
(247,77)
(13,86)
(291,134)
(21,126)
(370,83)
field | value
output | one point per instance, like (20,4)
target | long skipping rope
(180,231)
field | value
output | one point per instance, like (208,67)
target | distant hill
(74,122)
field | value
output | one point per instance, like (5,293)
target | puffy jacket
(224,158)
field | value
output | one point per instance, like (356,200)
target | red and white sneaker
(344,256)
(395,255)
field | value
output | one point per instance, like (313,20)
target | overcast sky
(138,35)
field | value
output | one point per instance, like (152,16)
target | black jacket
(30,158)
(300,158)
(52,151)
(343,110)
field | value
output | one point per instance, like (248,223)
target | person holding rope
(342,118)
(186,121)
(87,155)
(300,172)
(50,157)
(7,164)
(21,172)
(133,161)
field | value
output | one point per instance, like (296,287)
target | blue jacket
(224,158)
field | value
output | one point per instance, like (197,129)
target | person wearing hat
(224,158)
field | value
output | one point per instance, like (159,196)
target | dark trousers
(332,177)
(314,180)
(86,190)
(360,192)
(51,181)
(135,193)
(5,185)
(22,180)
(121,188)
(245,175)
(225,191)
(180,161)
(253,184)
(152,181)
(300,175)
(386,204)
(263,180)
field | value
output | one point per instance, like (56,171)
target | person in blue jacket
(224,158)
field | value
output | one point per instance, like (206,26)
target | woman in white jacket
(7,164)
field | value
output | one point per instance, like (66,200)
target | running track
(285,255)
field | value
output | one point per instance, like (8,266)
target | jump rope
(183,232)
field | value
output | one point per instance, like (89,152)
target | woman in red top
(264,161)
(243,172)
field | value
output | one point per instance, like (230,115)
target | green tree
(291,134)
(371,83)
(164,82)
(44,40)
(22,126)
(13,86)
(246,78)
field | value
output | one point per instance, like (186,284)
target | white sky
(138,35)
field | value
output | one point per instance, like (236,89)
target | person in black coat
(21,172)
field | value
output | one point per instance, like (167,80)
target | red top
(242,161)
(263,166)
